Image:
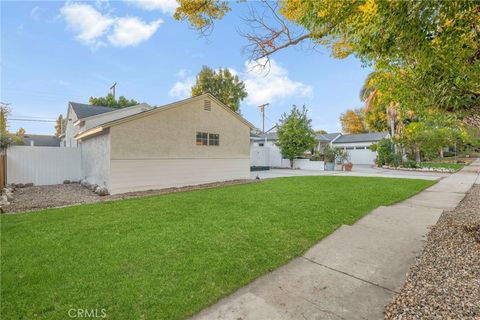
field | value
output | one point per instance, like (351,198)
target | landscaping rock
(92,187)
(30,184)
(101,191)
(66,182)
(8,192)
(19,185)
(4,201)
(444,283)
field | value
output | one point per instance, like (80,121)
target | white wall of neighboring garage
(359,152)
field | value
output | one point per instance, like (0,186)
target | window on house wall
(202,138)
(349,148)
(214,139)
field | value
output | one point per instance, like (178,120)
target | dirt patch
(444,283)
(42,197)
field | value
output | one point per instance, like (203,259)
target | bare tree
(269,32)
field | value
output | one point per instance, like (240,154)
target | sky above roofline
(55,52)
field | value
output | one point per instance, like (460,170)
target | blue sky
(55,52)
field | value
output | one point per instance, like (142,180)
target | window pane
(202,138)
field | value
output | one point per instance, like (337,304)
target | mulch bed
(444,283)
(42,197)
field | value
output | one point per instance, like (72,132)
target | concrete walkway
(354,272)
(358,170)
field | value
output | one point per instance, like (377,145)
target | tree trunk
(441,152)
(417,154)
(291,163)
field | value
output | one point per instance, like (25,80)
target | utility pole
(113,89)
(262,110)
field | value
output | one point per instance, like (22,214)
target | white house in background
(81,117)
(39,140)
(265,152)
(358,146)
(193,141)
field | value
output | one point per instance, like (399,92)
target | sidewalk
(354,272)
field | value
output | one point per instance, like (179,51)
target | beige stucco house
(193,141)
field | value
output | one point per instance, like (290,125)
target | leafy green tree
(60,126)
(375,110)
(430,49)
(110,101)
(321,131)
(225,86)
(385,154)
(6,138)
(20,132)
(295,134)
(353,121)
(4,112)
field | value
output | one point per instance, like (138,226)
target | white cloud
(36,12)
(270,85)
(89,24)
(166,6)
(93,28)
(130,31)
(182,89)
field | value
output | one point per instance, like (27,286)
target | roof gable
(85,110)
(159,109)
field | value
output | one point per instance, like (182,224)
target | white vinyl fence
(43,165)
(270,156)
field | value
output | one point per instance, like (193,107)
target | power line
(31,120)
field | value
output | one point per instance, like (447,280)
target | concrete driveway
(358,170)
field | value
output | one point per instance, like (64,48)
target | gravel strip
(42,197)
(444,283)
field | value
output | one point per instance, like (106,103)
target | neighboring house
(265,152)
(81,117)
(40,140)
(358,146)
(193,141)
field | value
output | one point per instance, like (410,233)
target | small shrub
(316,156)
(329,153)
(410,164)
(385,152)
(396,160)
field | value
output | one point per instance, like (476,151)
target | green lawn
(169,256)
(454,166)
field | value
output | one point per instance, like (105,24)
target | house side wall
(171,134)
(71,130)
(96,159)
(160,151)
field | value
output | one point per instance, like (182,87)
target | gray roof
(361,137)
(272,136)
(40,140)
(327,137)
(85,110)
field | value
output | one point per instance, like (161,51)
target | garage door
(361,155)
